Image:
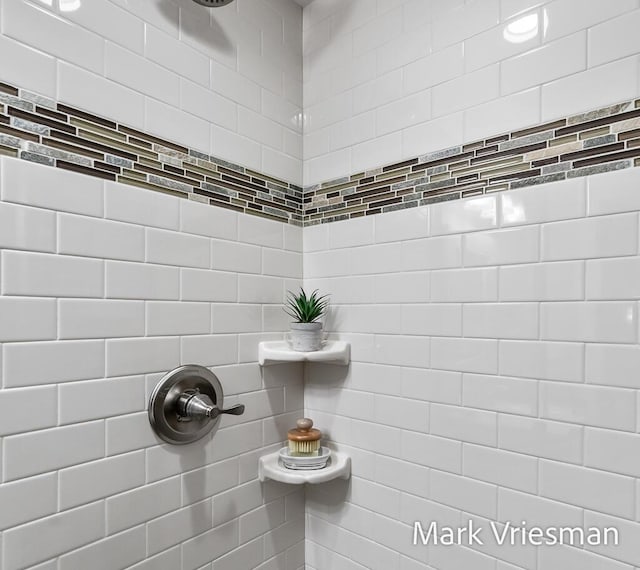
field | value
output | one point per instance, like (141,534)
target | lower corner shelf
(269,467)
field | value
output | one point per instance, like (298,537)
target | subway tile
(432,319)
(260,289)
(96,94)
(27,319)
(612,451)
(209,546)
(431,385)
(80,319)
(612,364)
(567,557)
(209,350)
(613,278)
(141,281)
(82,236)
(13,403)
(431,451)
(551,61)
(402,350)
(173,248)
(502,320)
(240,257)
(82,484)
(164,120)
(204,285)
(537,511)
(140,74)
(404,113)
(463,424)
(258,231)
(501,468)
(97,399)
(82,47)
(464,285)
(139,206)
(47,450)
(464,216)
(613,321)
(614,192)
(51,275)
(141,355)
(402,288)
(49,537)
(540,438)
(558,281)
(142,504)
(28,67)
(588,405)
(231,318)
(282,263)
(542,360)
(129,433)
(28,499)
(119,550)
(432,253)
(196,218)
(35,363)
(178,526)
(508,395)
(433,135)
(177,318)
(501,247)
(593,88)
(588,488)
(464,493)
(503,114)
(627,548)
(36,185)
(27,228)
(570,16)
(176,55)
(467,91)
(467,355)
(544,203)
(614,39)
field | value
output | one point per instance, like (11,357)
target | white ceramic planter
(305,337)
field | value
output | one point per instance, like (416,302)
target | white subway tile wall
(96,305)
(196,76)
(386,81)
(509,390)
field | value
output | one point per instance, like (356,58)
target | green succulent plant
(305,308)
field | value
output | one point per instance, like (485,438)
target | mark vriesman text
(510,534)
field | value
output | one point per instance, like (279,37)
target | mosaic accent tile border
(40,130)
(44,131)
(598,141)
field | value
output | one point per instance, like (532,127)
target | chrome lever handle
(197,405)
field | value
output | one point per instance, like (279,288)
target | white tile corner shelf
(269,467)
(277,352)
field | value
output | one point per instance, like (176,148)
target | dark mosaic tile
(8,89)
(575,128)
(600,168)
(85,170)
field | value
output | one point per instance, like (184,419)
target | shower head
(213,3)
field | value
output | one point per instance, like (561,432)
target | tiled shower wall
(389,80)
(225,82)
(494,376)
(106,287)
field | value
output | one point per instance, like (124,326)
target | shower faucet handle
(193,404)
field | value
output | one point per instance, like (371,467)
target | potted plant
(305,310)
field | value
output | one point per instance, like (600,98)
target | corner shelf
(277,352)
(269,468)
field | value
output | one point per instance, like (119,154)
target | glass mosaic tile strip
(588,143)
(46,132)
(40,130)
